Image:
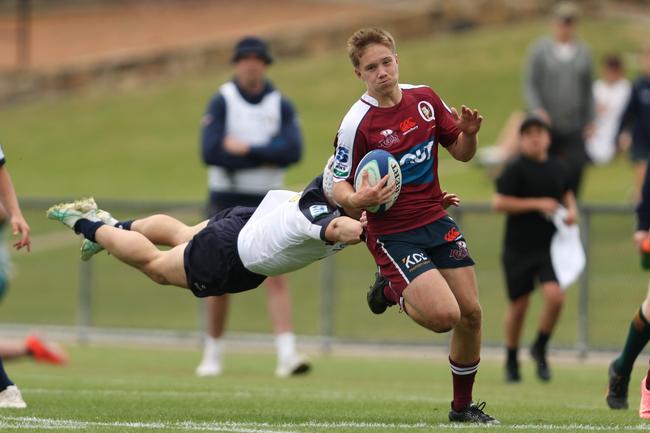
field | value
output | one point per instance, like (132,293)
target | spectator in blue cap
(250,135)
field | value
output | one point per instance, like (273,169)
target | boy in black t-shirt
(530,190)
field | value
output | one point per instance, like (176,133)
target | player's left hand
(449,200)
(469,121)
(571,217)
(235,146)
(19,226)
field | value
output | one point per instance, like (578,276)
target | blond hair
(362,38)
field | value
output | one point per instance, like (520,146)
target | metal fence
(331,271)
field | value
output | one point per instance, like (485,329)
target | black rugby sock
(542,340)
(637,337)
(4,379)
(124,225)
(511,355)
(87,228)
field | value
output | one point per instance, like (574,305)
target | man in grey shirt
(558,87)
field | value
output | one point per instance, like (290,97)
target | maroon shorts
(403,256)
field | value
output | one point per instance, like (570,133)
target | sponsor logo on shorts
(200,286)
(318,210)
(426,111)
(390,138)
(460,252)
(407,126)
(415,260)
(452,235)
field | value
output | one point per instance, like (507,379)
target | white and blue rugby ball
(379,163)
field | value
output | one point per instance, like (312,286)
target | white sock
(285,344)
(213,349)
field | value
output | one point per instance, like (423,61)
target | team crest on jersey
(426,111)
(390,138)
(318,210)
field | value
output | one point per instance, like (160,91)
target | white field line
(12,422)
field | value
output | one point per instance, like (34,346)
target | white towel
(567,253)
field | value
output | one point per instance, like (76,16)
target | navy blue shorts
(212,263)
(403,256)
(522,268)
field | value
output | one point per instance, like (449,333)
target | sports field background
(73,146)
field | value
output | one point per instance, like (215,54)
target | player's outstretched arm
(344,229)
(469,123)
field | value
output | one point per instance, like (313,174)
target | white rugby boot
(293,366)
(70,213)
(10,398)
(90,248)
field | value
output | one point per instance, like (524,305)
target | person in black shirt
(530,190)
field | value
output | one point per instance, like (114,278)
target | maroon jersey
(410,131)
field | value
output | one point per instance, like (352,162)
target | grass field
(141,144)
(106,389)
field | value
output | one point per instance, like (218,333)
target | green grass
(142,144)
(109,389)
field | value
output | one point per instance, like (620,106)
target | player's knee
(445,321)
(473,317)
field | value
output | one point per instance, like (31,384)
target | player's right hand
(547,205)
(369,196)
(19,226)
(639,237)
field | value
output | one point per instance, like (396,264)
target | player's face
(378,68)
(250,71)
(534,142)
(565,29)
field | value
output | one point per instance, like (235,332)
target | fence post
(583,298)
(85,301)
(327,304)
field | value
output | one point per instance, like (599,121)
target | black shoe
(512,372)
(543,370)
(617,390)
(377,301)
(472,413)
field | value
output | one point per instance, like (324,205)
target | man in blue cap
(250,134)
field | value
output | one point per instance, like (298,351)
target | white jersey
(610,100)
(287,231)
(255,124)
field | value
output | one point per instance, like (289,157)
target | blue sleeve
(212,133)
(285,148)
(643,208)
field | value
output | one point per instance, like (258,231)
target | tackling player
(419,250)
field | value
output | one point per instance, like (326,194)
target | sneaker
(296,365)
(90,248)
(472,413)
(45,352)
(539,356)
(617,390)
(10,397)
(209,367)
(377,301)
(644,405)
(70,213)
(512,372)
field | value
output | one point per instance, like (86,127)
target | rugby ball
(379,163)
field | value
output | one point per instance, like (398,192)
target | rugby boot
(539,356)
(644,405)
(90,248)
(45,352)
(10,398)
(377,301)
(617,390)
(293,366)
(472,413)
(70,213)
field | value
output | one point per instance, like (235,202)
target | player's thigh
(429,299)
(170,266)
(463,285)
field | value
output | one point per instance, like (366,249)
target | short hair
(362,38)
(613,61)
